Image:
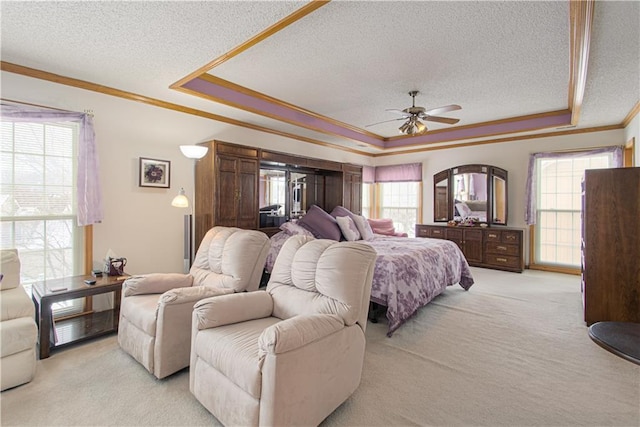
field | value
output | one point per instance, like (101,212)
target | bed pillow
(363,227)
(294,229)
(348,228)
(463,209)
(382,226)
(320,224)
(341,211)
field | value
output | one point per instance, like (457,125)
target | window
(557,234)
(401,202)
(394,192)
(367,199)
(38,206)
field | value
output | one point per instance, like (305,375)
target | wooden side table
(89,325)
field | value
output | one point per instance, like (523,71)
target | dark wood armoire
(611,245)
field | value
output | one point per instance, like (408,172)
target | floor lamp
(181,201)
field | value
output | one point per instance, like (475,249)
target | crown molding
(82,84)
(283,23)
(581,16)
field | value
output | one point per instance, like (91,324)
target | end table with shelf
(55,334)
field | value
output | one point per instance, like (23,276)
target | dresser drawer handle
(502,248)
(437,232)
(501,259)
(511,237)
(493,235)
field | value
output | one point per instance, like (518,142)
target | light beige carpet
(513,351)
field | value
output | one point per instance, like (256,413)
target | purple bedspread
(411,272)
(408,273)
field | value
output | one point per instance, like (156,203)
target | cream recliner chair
(290,355)
(155,311)
(18,330)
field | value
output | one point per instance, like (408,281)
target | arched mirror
(476,193)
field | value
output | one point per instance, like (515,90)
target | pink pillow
(382,226)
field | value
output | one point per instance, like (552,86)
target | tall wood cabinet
(226,188)
(227,185)
(611,245)
(352,197)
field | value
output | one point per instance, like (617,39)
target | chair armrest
(155,283)
(297,331)
(191,294)
(233,308)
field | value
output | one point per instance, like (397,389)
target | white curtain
(89,191)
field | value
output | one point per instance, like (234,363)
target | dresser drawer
(502,260)
(510,236)
(502,249)
(422,231)
(493,236)
(437,233)
(505,236)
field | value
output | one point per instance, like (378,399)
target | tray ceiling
(329,69)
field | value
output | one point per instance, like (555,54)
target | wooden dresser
(611,245)
(492,247)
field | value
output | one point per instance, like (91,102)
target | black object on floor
(620,338)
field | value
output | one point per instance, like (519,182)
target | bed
(408,274)
(471,209)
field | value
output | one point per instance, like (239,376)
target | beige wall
(140,223)
(632,131)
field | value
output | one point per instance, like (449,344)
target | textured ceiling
(347,61)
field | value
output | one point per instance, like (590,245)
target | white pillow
(363,227)
(463,209)
(348,228)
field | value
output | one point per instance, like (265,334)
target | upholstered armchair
(290,355)
(18,330)
(155,311)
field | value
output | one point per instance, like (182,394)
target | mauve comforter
(408,273)
(411,272)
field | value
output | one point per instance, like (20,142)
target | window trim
(533,265)
(376,206)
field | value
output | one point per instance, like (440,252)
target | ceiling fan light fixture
(413,115)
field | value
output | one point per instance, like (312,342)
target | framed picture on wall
(155,173)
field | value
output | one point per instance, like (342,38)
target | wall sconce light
(194,151)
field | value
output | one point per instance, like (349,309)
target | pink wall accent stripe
(289,114)
(278,111)
(485,130)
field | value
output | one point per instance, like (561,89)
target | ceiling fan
(413,115)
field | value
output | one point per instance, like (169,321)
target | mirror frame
(448,174)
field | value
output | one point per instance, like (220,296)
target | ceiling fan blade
(444,109)
(403,113)
(392,120)
(437,119)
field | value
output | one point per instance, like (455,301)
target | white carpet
(513,351)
